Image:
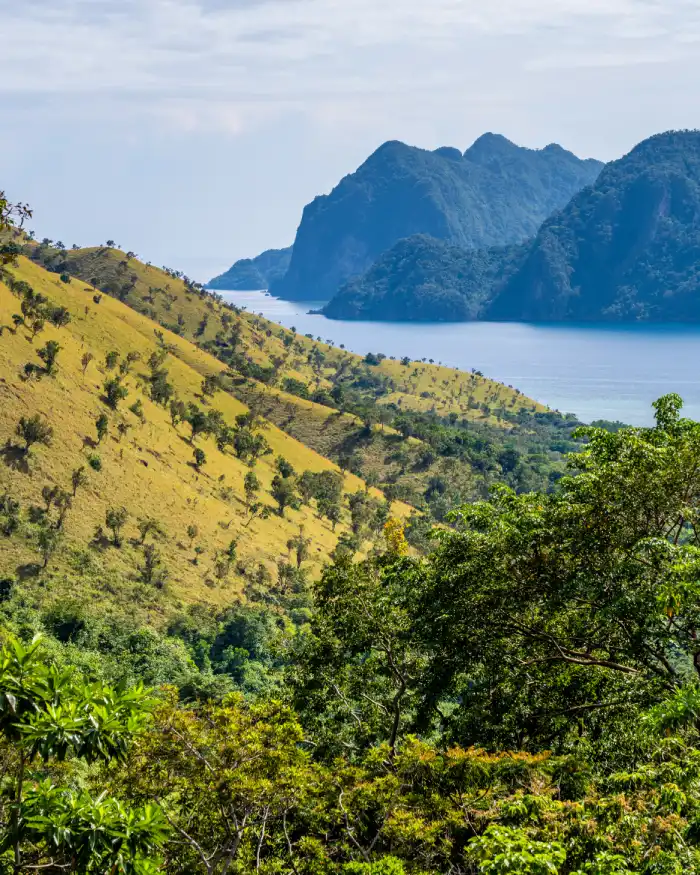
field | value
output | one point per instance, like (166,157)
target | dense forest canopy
(522,698)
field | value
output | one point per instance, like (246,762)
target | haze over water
(596,372)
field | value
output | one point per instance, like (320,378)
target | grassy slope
(148,472)
(416,386)
(166,298)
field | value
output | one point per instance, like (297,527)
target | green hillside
(143,463)
(421,279)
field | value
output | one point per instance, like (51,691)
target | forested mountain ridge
(626,248)
(422,279)
(254,273)
(495,193)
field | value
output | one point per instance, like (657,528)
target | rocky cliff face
(494,193)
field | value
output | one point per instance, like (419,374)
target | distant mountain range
(626,249)
(250,274)
(492,194)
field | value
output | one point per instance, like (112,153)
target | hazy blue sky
(194,131)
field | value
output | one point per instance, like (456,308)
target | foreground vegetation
(221,653)
(524,699)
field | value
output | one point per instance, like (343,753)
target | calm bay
(594,371)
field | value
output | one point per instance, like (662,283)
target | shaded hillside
(493,194)
(628,249)
(251,274)
(422,279)
(625,249)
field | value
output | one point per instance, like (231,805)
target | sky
(194,131)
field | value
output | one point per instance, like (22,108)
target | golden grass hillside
(146,463)
(272,366)
(173,301)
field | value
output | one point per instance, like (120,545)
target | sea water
(595,371)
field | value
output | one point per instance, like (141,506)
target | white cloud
(229,53)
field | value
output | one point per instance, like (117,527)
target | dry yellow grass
(418,386)
(149,470)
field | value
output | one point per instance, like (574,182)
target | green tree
(152,570)
(211,384)
(161,389)
(59,316)
(34,430)
(48,354)
(129,360)
(504,850)
(198,422)
(284,492)
(307,486)
(115,392)
(56,497)
(284,468)
(49,714)
(137,409)
(150,526)
(299,545)
(115,518)
(79,479)
(200,458)
(178,412)
(360,512)
(12,216)
(331,510)
(9,514)
(234,773)
(362,657)
(251,487)
(101,426)
(579,603)
(48,541)
(248,445)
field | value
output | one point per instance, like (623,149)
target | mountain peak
(502,195)
(490,143)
